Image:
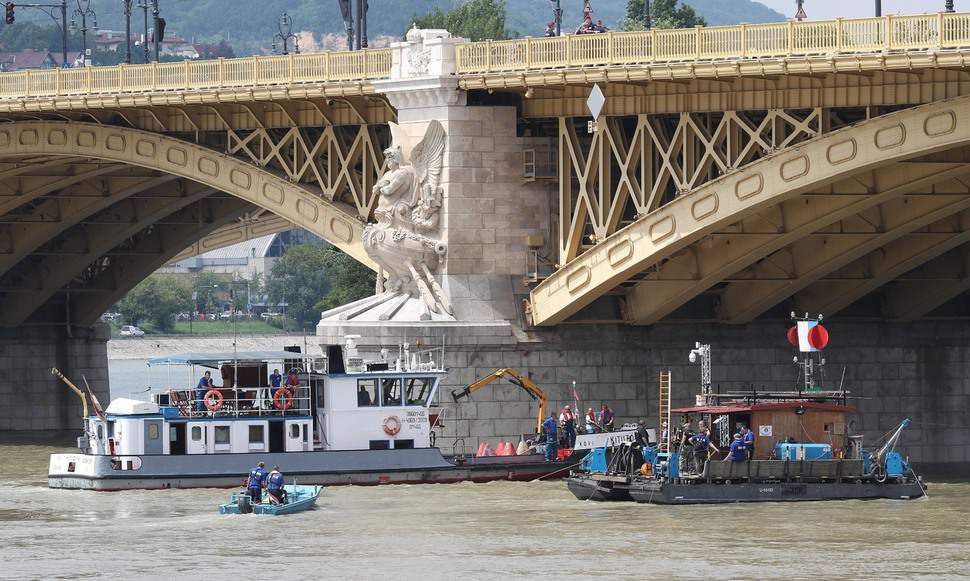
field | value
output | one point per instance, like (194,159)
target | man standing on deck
(701,443)
(274,486)
(552,438)
(567,419)
(747,438)
(606,418)
(254,484)
(204,385)
(737,453)
(276,380)
(590,421)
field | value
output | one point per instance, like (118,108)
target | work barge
(803,448)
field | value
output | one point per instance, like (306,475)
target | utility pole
(126,4)
(878,8)
(363,23)
(64,33)
(159,30)
(647,23)
(557,16)
(347,13)
(144,40)
(358,32)
(84,10)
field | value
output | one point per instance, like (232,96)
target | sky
(826,9)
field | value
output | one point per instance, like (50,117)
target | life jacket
(256,476)
(568,417)
(275,481)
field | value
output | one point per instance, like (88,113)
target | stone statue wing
(427,157)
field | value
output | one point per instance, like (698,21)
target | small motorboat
(298,499)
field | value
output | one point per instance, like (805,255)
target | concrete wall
(33,399)
(920,370)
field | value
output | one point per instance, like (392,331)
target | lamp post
(126,6)
(285,34)
(83,10)
(647,24)
(158,28)
(948,6)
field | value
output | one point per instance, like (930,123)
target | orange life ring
(283,399)
(209,396)
(392,425)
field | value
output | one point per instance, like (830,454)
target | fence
(257,71)
(864,35)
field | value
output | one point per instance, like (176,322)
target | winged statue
(405,241)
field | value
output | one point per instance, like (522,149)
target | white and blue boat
(298,499)
(346,421)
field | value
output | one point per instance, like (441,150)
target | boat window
(418,389)
(256,435)
(154,431)
(222,434)
(367,393)
(100,432)
(403,444)
(391,390)
(294,431)
(196,433)
(380,444)
(828,428)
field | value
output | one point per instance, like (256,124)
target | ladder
(663,415)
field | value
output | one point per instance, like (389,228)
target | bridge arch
(200,175)
(730,223)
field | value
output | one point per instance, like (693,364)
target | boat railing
(243,402)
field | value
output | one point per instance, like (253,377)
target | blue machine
(595,461)
(896,466)
(799,451)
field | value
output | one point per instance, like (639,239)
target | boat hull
(656,492)
(601,491)
(301,498)
(359,467)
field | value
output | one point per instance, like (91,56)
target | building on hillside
(245,260)
(27,59)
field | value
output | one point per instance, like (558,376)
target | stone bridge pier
(33,399)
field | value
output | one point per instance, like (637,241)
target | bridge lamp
(285,34)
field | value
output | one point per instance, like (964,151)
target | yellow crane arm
(514,378)
(84,400)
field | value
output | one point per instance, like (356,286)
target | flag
(575,395)
(94,401)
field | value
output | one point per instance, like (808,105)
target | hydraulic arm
(515,378)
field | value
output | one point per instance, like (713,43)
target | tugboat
(335,420)
(801,448)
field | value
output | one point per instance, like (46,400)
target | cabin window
(403,444)
(222,435)
(256,435)
(154,431)
(418,389)
(294,431)
(100,432)
(380,444)
(828,428)
(196,433)
(391,391)
(367,393)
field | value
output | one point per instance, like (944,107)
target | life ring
(392,425)
(213,406)
(283,399)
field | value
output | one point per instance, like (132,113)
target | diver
(254,483)
(274,486)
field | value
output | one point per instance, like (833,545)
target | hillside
(249,25)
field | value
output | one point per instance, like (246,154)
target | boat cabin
(377,406)
(774,422)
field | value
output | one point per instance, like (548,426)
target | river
(462,531)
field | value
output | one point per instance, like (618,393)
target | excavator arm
(515,378)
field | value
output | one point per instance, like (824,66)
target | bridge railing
(254,71)
(889,33)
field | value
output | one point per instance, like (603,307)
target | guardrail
(257,71)
(928,31)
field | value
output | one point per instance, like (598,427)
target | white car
(131,331)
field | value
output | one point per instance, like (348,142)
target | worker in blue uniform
(747,437)
(204,385)
(255,482)
(552,438)
(274,486)
(275,380)
(738,451)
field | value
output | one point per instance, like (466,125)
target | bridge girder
(747,208)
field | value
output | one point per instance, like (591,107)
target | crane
(515,378)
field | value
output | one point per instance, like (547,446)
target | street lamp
(948,6)
(285,34)
(647,24)
(83,10)
(126,6)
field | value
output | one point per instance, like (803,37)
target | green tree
(310,278)
(663,14)
(206,286)
(157,299)
(474,20)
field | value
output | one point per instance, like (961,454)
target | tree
(156,299)
(206,287)
(310,278)
(663,14)
(474,20)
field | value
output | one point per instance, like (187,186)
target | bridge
(735,174)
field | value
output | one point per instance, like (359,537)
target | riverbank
(154,346)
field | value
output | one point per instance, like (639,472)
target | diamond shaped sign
(596,101)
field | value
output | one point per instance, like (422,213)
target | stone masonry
(33,399)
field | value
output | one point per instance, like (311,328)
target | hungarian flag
(94,402)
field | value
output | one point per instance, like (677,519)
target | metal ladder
(663,415)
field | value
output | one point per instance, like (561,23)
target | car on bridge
(131,331)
